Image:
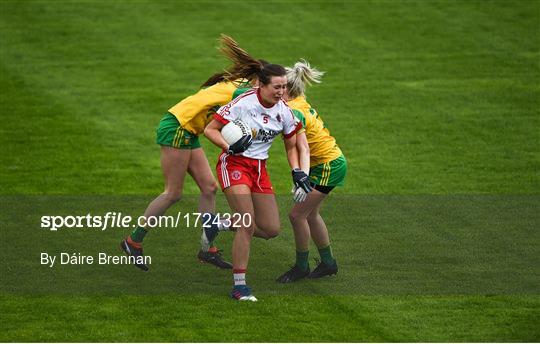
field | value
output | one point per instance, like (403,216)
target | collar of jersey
(261,101)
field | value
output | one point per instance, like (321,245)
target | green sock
(138,234)
(326,255)
(302,260)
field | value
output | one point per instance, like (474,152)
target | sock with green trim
(138,234)
(326,256)
(302,260)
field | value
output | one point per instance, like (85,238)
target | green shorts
(331,173)
(170,133)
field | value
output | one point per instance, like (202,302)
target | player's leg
(319,234)
(317,227)
(240,201)
(264,202)
(175,154)
(298,217)
(326,176)
(201,172)
(174,164)
(266,215)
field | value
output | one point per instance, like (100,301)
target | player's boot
(213,256)
(134,249)
(242,293)
(293,275)
(210,230)
(324,270)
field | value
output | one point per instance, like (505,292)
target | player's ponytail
(300,75)
(244,65)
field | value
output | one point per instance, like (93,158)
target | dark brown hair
(268,71)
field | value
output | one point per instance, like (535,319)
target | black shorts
(321,188)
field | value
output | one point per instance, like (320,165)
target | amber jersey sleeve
(322,146)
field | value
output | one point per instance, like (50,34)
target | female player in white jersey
(181,152)
(241,168)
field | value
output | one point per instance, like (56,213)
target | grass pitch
(435,105)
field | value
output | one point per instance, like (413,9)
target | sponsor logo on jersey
(266,135)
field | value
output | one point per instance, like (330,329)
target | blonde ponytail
(300,75)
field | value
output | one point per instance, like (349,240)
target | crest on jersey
(278,118)
(236,175)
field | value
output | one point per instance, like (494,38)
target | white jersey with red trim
(265,123)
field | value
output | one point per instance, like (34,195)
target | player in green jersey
(328,168)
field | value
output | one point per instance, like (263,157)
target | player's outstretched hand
(301,180)
(241,145)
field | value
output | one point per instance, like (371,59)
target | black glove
(241,145)
(301,180)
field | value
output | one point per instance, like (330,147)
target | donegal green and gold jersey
(323,147)
(195,112)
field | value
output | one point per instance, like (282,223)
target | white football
(233,131)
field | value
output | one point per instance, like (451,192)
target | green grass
(444,96)
(413,268)
(435,104)
(276,318)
